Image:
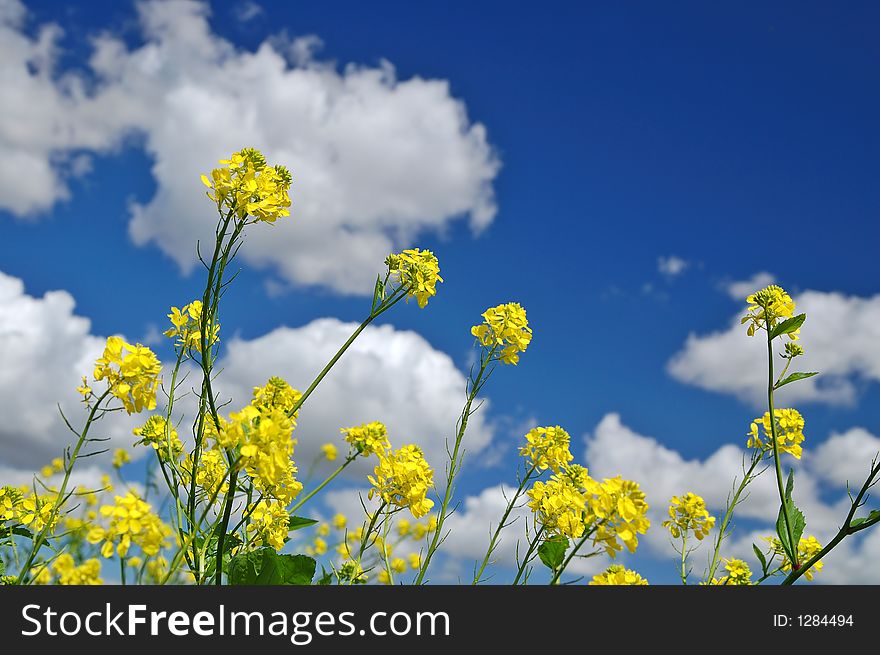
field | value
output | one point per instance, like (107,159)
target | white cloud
(840,338)
(672,266)
(614,448)
(845,457)
(248,10)
(376,160)
(45,349)
(739,289)
(387,375)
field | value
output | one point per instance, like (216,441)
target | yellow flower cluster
(504,328)
(807,548)
(262,433)
(621,512)
(162,436)
(738,573)
(55,466)
(211,474)
(270,524)
(688,514)
(368,438)
(617,575)
(571,502)
(131,521)
(132,371)
(9,498)
(187,327)
(418,271)
(560,506)
(120,458)
(547,447)
(403,478)
(789,432)
(35,511)
(766,307)
(247,185)
(87,573)
(330,452)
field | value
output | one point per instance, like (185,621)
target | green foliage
(788,326)
(266,567)
(796,521)
(552,551)
(794,377)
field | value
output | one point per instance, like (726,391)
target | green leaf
(796,521)
(794,377)
(552,551)
(788,326)
(326,577)
(23,532)
(266,567)
(299,522)
(873,517)
(760,555)
(378,293)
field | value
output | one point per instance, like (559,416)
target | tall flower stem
(478,574)
(40,538)
(778,467)
(454,465)
(533,545)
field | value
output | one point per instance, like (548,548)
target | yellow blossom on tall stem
(132,372)
(402,478)
(618,575)
(505,329)
(418,271)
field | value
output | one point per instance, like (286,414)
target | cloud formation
(840,337)
(377,161)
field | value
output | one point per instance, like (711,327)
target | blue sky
(736,140)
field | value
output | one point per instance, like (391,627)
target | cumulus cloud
(45,349)
(389,375)
(672,266)
(248,10)
(613,448)
(739,289)
(840,337)
(376,160)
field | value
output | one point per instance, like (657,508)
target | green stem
(454,466)
(716,557)
(221,535)
(59,499)
(329,479)
(573,552)
(533,544)
(502,524)
(683,573)
(778,467)
(392,300)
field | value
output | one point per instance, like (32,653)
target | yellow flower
(186,325)
(120,458)
(248,186)
(402,478)
(340,521)
(618,575)
(131,521)
(276,394)
(9,498)
(322,530)
(403,527)
(688,514)
(547,448)
(270,524)
(211,474)
(807,548)
(383,577)
(343,550)
(162,436)
(418,271)
(132,372)
(319,545)
(353,572)
(415,561)
(621,512)
(506,329)
(329,451)
(789,432)
(35,511)
(767,307)
(368,438)
(738,573)
(88,573)
(398,565)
